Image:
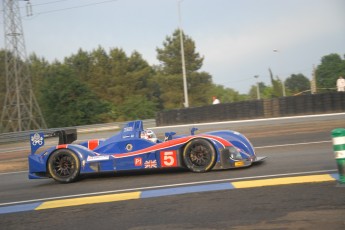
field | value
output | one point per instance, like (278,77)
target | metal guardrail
(24,135)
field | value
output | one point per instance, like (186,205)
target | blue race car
(134,148)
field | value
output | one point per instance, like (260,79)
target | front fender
(237,139)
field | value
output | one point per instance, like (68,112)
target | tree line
(326,74)
(101,86)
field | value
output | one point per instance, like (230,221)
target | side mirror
(192,131)
(168,136)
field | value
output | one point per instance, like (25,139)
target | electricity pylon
(20,110)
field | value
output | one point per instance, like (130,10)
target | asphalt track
(295,188)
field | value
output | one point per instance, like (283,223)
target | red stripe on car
(62,146)
(172,143)
(156,147)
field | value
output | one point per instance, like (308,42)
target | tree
(297,83)
(277,86)
(100,80)
(115,78)
(170,90)
(66,101)
(225,95)
(38,69)
(136,107)
(253,91)
(81,64)
(199,86)
(169,73)
(138,79)
(170,55)
(331,67)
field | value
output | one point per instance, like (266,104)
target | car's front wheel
(64,166)
(199,155)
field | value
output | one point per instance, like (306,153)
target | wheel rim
(64,165)
(199,155)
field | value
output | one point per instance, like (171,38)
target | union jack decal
(151,164)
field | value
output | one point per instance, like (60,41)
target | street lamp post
(257,87)
(186,103)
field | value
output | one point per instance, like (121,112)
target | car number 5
(168,158)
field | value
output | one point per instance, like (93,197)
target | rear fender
(89,161)
(66,136)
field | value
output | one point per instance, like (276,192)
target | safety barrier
(266,108)
(339,153)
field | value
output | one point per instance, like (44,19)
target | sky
(238,39)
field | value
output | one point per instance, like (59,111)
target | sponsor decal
(128,129)
(150,164)
(168,158)
(138,161)
(129,147)
(37,140)
(97,158)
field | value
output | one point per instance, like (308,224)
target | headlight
(234,153)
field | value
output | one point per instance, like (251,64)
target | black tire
(199,155)
(64,166)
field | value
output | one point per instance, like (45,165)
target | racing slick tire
(199,155)
(64,166)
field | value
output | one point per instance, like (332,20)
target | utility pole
(257,87)
(185,88)
(282,80)
(20,111)
(313,87)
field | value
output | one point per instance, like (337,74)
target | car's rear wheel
(64,166)
(199,155)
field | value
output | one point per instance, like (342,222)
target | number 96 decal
(168,158)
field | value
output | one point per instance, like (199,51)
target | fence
(266,108)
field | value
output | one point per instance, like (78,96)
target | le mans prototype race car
(134,148)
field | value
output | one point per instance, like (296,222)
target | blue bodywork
(126,150)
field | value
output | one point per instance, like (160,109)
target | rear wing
(66,136)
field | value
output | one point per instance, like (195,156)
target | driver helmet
(149,135)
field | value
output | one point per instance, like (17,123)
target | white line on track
(167,186)
(303,143)
(14,149)
(251,120)
(8,173)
